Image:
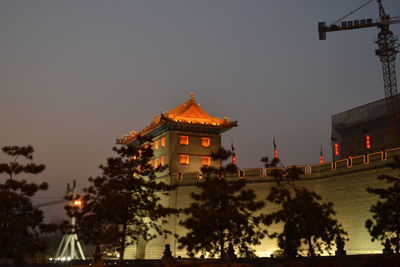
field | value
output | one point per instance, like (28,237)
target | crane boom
(387,50)
(351,25)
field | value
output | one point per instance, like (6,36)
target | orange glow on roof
(188,112)
(192,112)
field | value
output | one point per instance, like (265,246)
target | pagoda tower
(183,139)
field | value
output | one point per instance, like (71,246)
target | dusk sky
(76,75)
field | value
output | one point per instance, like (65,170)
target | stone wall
(342,182)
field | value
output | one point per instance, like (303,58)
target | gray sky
(76,75)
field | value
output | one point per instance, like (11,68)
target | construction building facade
(361,130)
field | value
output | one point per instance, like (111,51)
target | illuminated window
(162,160)
(163,141)
(206,161)
(156,163)
(156,144)
(184,159)
(205,141)
(184,140)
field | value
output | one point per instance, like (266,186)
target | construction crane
(387,50)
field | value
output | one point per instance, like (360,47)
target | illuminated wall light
(336,147)
(368,142)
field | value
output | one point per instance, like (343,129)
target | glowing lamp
(276,153)
(321,159)
(234,159)
(336,147)
(77,203)
(368,142)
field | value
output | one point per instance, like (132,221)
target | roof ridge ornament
(192,96)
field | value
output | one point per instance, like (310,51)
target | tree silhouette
(385,222)
(20,222)
(124,203)
(221,214)
(308,221)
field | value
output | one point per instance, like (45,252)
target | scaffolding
(364,113)
(351,128)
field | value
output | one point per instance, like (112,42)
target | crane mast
(387,50)
(387,54)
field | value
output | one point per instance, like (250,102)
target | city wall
(342,182)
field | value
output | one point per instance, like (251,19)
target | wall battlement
(342,182)
(316,171)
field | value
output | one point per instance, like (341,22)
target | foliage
(221,213)
(20,222)
(385,222)
(307,220)
(124,203)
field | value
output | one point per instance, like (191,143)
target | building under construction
(361,130)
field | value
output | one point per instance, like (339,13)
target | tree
(123,203)
(307,220)
(385,222)
(222,213)
(20,222)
